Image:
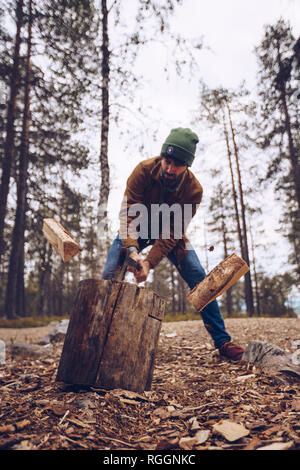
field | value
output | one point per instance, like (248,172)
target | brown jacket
(144,187)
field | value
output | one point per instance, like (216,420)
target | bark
(60,239)
(220,279)
(15,291)
(115,345)
(104,165)
(245,254)
(10,125)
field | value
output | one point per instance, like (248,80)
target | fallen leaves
(190,443)
(197,401)
(278,446)
(295,404)
(230,430)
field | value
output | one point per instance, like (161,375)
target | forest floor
(194,393)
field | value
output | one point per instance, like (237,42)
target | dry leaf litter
(198,400)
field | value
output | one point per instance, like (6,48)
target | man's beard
(170,182)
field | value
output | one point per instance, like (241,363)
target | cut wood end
(220,279)
(60,239)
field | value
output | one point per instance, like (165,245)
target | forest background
(90,88)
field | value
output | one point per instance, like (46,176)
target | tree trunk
(296,241)
(10,125)
(15,290)
(245,254)
(181,295)
(173,288)
(112,336)
(228,292)
(257,297)
(295,166)
(237,215)
(21,295)
(155,282)
(45,286)
(292,151)
(102,219)
(205,248)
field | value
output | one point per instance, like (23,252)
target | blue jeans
(192,272)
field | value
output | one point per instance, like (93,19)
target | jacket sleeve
(132,205)
(162,247)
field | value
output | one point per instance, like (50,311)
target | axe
(124,262)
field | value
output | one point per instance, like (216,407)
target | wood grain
(60,239)
(112,336)
(221,278)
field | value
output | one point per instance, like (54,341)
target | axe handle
(123,262)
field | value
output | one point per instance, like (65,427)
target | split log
(60,239)
(112,336)
(221,278)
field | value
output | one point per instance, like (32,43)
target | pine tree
(9,149)
(278,56)
(58,110)
(216,107)
(245,252)
(274,295)
(15,289)
(220,210)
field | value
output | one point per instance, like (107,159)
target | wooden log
(221,278)
(112,336)
(60,239)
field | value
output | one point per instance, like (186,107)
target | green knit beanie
(181,144)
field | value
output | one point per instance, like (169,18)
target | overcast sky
(231,29)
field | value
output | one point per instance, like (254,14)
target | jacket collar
(155,170)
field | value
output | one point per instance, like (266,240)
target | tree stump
(112,336)
(221,278)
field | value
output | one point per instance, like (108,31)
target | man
(156,184)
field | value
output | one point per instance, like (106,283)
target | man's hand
(142,274)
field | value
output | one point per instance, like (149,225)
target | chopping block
(112,336)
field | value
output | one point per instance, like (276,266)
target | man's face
(172,169)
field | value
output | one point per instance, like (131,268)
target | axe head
(124,261)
